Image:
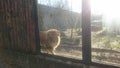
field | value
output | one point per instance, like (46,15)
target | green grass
(107,41)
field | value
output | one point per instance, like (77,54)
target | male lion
(50,40)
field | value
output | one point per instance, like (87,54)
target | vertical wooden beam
(36,27)
(86,31)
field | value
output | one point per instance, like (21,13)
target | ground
(105,49)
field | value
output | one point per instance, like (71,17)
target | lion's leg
(52,51)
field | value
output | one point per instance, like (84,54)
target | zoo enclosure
(18,30)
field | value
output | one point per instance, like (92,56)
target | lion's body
(50,40)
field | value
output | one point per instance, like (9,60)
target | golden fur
(50,40)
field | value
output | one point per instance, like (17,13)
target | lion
(50,40)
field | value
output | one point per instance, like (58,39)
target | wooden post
(86,31)
(36,27)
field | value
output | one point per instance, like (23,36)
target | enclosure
(99,32)
(90,38)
